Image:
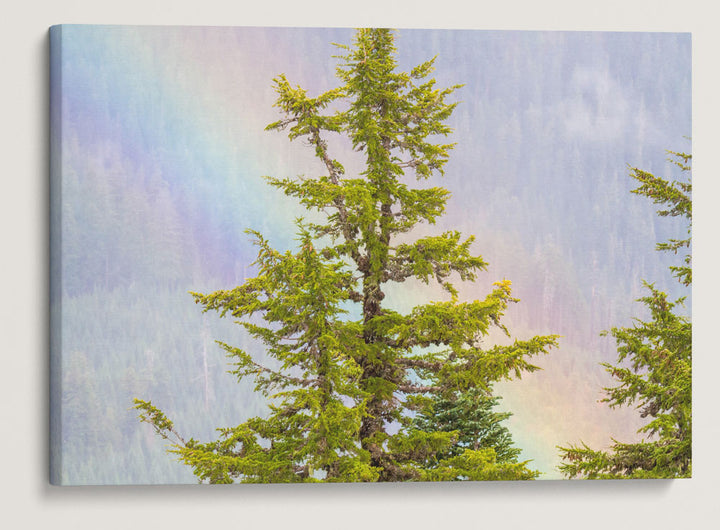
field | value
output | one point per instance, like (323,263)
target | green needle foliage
(344,391)
(655,365)
(470,417)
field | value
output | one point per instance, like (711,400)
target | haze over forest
(162,152)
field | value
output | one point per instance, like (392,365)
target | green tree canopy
(343,389)
(654,370)
(470,416)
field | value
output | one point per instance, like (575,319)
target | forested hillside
(162,154)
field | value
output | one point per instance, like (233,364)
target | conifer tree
(654,369)
(343,390)
(476,425)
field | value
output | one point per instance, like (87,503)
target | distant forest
(550,208)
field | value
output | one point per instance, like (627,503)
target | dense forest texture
(654,364)
(344,391)
(158,144)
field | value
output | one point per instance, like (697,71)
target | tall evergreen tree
(654,367)
(343,391)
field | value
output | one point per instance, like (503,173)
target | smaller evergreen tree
(470,418)
(654,367)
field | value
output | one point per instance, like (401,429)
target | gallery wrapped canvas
(372,255)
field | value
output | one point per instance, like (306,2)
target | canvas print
(369,255)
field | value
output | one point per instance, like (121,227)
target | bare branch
(420,363)
(419,389)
